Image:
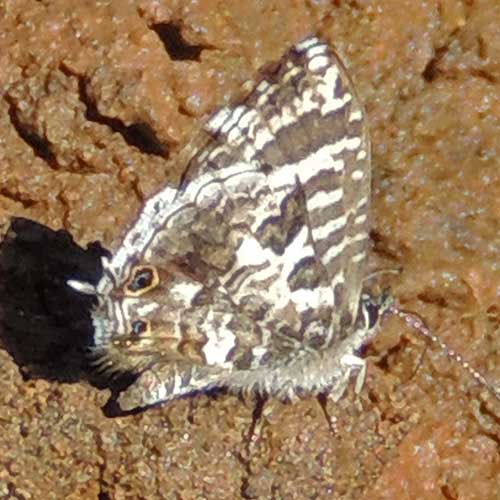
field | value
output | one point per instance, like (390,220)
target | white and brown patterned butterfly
(249,274)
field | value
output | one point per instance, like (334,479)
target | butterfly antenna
(415,322)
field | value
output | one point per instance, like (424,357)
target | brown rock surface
(97,101)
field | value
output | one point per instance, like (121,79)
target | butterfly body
(249,274)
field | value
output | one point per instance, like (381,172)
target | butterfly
(249,274)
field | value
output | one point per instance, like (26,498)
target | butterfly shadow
(45,325)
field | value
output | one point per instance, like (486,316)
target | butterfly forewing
(304,127)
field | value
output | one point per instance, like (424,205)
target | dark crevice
(40,146)
(429,297)
(482,50)
(372,396)
(101,464)
(485,75)
(83,167)
(137,190)
(138,135)
(432,70)
(184,111)
(175,45)
(383,362)
(24,200)
(381,246)
(66,209)
(447,493)
(485,411)
(483,408)
(245,484)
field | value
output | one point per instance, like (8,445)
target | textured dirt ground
(97,101)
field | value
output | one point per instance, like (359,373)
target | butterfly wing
(304,128)
(247,261)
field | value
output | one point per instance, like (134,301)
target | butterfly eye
(143,279)
(138,327)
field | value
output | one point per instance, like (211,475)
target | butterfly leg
(352,363)
(259,404)
(322,398)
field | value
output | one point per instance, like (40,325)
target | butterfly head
(126,322)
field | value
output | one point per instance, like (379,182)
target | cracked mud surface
(97,102)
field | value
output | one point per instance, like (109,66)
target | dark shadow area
(44,324)
(40,146)
(138,135)
(175,45)
(432,70)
